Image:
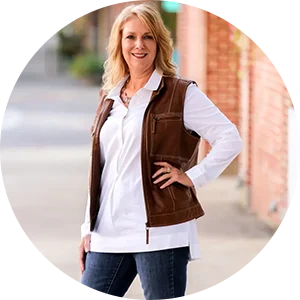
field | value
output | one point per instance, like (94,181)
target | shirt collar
(154,81)
(115,92)
(152,84)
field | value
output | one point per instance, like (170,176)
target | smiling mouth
(139,55)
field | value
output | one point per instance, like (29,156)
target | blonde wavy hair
(115,67)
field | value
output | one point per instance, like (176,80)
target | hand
(84,247)
(175,175)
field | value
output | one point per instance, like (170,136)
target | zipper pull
(147,234)
(155,119)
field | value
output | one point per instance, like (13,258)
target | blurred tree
(168,12)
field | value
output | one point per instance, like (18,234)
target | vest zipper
(147,234)
(169,118)
(144,144)
(155,119)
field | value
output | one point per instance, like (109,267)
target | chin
(142,67)
(138,68)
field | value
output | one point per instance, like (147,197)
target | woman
(142,206)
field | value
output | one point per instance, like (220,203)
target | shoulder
(102,97)
(178,82)
(191,88)
(177,79)
(195,99)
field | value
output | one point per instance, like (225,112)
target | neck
(138,80)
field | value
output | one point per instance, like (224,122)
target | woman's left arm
(203,117)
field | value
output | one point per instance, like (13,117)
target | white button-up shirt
(120,225)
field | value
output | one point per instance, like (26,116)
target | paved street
(45,148)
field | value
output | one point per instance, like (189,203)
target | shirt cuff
(85,229)
(198,178)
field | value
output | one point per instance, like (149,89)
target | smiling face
(139,47)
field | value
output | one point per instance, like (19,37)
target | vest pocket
(176,196)
(165,127)
(165,118)
(180,195)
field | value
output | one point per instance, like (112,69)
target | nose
(139,43)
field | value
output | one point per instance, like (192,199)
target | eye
(148,37)
(130,37)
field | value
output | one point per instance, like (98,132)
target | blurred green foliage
(87,66)
(70,45)
(169,19)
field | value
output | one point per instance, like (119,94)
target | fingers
(166,175)
(84,247)
(82,256)
(161,178)
(174,175)
(162,170)
(87,242)
(82,263)
(169,182)
(162,163)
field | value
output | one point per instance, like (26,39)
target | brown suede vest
(164,138)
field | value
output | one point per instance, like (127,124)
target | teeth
(139,55)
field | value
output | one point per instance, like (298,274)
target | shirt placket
(121,138)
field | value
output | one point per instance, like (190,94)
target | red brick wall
(182,39)
(222,72)
(191,44)
(244,166)
(208,56)
(269,117)
(245,85)
(222,68)
(192,47)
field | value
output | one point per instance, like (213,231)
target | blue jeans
(163,273)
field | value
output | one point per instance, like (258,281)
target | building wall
(244,84)
(103,30)
(80,26)
(192,48)
(207,56)
(293,154)
(245,112)
(223,84)
(269,114)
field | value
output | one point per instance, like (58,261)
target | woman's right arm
(84,246)
(85,227)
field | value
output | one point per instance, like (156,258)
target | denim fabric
(163,273)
